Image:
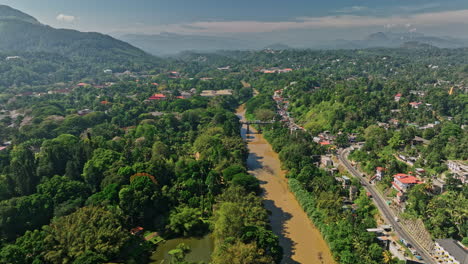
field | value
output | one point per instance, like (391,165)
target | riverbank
(301,241)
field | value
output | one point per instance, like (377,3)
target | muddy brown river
(300,239)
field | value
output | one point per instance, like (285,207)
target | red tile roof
(157,97)
(396,186)
(406,179)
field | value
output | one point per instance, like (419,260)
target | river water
(300,239)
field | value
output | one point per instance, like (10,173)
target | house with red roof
(157,97)
(403,182)
(397,97)
(81,84)
(415,105)
(137,230)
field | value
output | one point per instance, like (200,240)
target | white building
(450,251)
(459,168)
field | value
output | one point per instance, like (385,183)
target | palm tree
(387,256)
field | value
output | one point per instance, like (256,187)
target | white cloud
(65,18)
(352,9)
(444,18)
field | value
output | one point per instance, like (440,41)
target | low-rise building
(397,97)
(326,161)
(459,168)
(157,96)
(450,251)
(403,183)
(84,112)
(415,105)
(212,93)
(379,173)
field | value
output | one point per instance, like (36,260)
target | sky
(330,19)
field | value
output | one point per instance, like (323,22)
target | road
(384,209)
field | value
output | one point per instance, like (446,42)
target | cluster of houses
(213,93)
(188,94)
(282,105)
(325,138)
(276,70)
(402,183)
(65,91)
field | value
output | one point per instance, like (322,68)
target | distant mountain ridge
(170,43)
(23,33)
(7,12)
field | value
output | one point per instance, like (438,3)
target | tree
(20,214)
(186,221)
(61,189)
(23,166)
(249,182)
(265,114)
(94,169)
(241,253)
(395,141)
(89,231)
(342,140)
(141,200)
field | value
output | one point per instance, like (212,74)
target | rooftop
(455,249)
(405,178)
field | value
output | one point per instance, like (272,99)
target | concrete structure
(450,251)
(157,97)
(326,161)
(379,173)
(213,93)
(403,183)
(397,97)
(459,168)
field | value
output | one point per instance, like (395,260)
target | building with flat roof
(450,251)
(459,168)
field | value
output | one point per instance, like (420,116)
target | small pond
(201,249)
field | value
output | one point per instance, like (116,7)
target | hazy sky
(326,19)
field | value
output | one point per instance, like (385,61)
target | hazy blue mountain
(169,43)
(7,12)
(23,33)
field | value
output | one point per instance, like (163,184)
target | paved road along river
(300,239)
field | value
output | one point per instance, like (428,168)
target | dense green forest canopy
(82,165)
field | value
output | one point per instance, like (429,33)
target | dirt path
(301,241)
